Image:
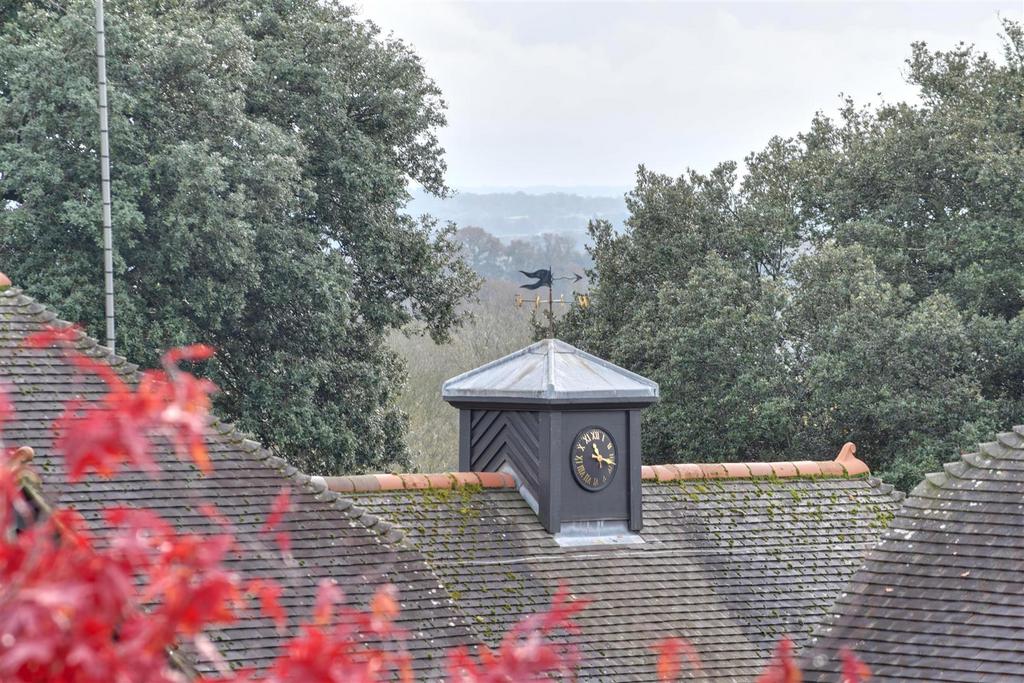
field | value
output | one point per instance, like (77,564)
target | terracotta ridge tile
(851,463)
(846,464)
(366,483)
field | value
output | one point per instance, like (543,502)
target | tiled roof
(733,557)
(941,598)
(331,537)
(730,563)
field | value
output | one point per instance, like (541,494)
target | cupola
(566,425)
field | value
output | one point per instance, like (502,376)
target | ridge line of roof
(365,483)
(985,457)
(217,427)
(846,464)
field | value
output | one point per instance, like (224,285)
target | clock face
(594,458)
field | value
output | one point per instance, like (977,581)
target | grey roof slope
(331,537)
(551,370)
(731,564)
(941,598)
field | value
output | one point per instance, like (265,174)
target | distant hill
(522,215)
(501,260)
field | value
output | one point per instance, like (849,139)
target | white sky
(580,93)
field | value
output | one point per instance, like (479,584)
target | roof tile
(466,478)
(733,566)
(441,481)
(784,469)
(388,482)
(807,468)
(762,469)
(717,471)
(415,481)
(496,480)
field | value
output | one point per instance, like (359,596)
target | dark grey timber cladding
(941,597)
(526,409)
(499,436)
(636,508)
(612,502)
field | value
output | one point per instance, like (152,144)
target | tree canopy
(261,151)
(861,281)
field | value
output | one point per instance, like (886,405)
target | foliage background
(261,153)
(862,281)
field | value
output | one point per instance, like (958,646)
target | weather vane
(545,278)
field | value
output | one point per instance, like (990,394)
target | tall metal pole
(108,232)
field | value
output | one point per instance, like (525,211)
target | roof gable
(941,597)
(332,539)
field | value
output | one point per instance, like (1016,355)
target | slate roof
(730,562)
(941,598)
(735,555)
(331,537)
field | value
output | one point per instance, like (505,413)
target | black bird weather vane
(545,278)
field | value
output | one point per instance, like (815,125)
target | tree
(863,281)
(261,152)
(690,295)
(873,366)
(931,190)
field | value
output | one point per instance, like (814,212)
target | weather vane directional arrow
(545,278)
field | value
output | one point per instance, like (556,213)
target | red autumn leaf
(281,505)
(783,667)
(54,336)
(670,652)
(328,595)
(193,352)
(527,652)
(269,594)
(384,604)
(6,406)
(104,436)
(854,670)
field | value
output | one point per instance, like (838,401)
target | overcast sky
(580,93)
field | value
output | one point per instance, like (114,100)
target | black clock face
(594,458)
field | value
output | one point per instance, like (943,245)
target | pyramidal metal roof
(550,371)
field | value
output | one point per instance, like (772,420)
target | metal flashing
(551,371)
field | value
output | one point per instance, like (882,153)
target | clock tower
(566,425)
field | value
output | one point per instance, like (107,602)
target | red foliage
(282,504)
(77,608)
(854,670)
(670,655)
(527,653)
(783,668)
(73,609)
(103,436)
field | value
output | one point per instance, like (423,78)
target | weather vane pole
(544,278)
